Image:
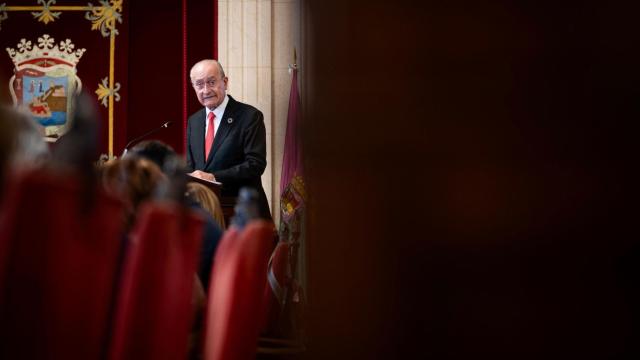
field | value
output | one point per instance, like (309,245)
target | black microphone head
(167,124)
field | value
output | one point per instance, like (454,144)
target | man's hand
(203,175)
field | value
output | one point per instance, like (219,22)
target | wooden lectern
(227,202)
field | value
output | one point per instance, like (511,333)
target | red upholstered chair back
(238,279)
(275,294)
(154,312)
(59,243)
(281,330)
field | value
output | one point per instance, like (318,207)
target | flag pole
(295,61)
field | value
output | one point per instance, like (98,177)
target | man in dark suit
(226,140)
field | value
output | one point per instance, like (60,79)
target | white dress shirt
(218,112)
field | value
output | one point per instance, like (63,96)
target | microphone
(135,140)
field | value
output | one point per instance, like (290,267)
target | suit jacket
(239,153)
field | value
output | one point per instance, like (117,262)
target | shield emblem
(45,82)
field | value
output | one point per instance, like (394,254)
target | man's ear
(226,83)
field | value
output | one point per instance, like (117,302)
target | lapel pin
(229,120)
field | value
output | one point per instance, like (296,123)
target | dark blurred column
(466,163)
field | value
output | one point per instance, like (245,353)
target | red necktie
(210,134)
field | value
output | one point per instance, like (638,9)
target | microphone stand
(135,140)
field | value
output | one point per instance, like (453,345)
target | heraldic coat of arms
(45,81)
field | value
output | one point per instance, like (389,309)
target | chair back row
(73,287)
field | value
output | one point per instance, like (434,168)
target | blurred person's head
(154,150)
(169,162)
(78,148)
(132,180)
(21,141)
(207,200)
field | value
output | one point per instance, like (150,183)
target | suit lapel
(198,140)
(226,124)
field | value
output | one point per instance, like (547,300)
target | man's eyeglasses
(200,84)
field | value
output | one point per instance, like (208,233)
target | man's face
(209,85)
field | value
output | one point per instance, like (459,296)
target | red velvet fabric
(154,312)
(238,279)
(59,242)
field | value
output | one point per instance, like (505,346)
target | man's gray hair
(207,61)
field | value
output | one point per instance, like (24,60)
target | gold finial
(295,61)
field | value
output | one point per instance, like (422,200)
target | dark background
(469,170)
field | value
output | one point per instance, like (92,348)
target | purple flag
(291,160)
(292,190)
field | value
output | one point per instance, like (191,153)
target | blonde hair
(208,200)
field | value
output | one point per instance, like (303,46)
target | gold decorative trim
(103,18)
(46,15)
(104,92)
